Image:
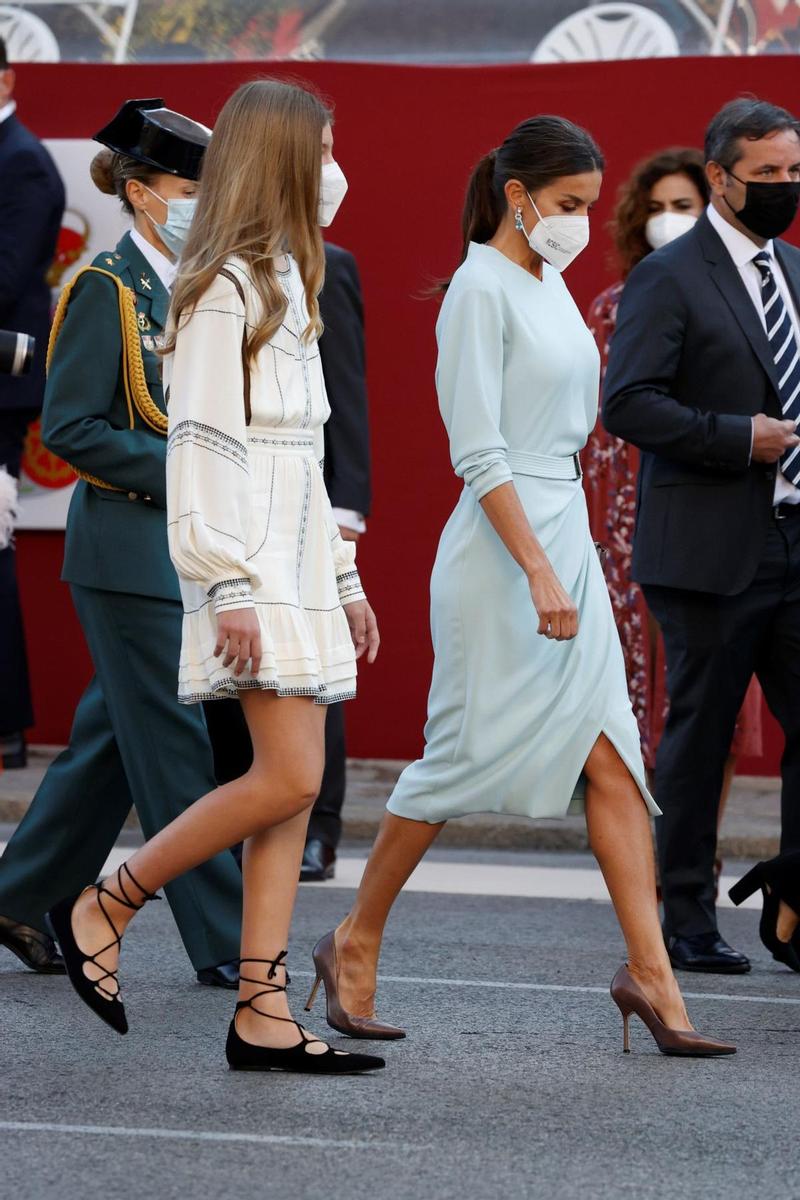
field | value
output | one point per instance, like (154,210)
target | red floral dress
(610,469)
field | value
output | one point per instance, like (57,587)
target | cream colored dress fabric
(250,522)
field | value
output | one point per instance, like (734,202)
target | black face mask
(769,208)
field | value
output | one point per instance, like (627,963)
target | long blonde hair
(259,196)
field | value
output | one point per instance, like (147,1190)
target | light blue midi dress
(512,715)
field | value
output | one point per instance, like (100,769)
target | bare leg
(788,921)
(621,839)
(273,798)
(270,870)
(399,847)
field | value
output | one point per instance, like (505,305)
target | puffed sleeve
(208,473)
(348,581)
(469,382)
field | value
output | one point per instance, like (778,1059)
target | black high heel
(778,879)
(244,1056)
(103,1000)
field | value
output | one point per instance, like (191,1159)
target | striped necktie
(786,353)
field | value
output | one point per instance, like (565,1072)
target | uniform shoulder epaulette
(137,395)
(110,260)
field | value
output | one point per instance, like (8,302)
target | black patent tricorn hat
(158,136)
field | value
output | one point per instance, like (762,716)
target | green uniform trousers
(132,743)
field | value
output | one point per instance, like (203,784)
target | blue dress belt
(544,466)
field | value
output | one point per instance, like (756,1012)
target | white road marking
(564,987)
(484,879)
(203,1135)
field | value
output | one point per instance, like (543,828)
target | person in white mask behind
(528,712)
(660,200)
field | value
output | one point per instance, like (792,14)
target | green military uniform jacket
(116,540)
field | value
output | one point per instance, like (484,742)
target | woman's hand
(363,629)
(239,638)
(558,616)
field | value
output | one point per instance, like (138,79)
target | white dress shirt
(7,110)
(743,250)
(164,267)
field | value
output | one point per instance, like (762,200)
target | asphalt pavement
(511,1083)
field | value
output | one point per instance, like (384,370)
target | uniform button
(133,495)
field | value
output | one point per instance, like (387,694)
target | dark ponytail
(480,217)
(536,153)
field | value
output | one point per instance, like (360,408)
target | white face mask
(558,239)
(175,230)
(664,227)
(332,189)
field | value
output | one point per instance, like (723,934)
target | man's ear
(717,178)
(8,79)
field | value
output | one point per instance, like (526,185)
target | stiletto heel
(626,1033)
(629,999)
(103,1000)
(245,1056)
(778,879)
(313,995)
(337,1016)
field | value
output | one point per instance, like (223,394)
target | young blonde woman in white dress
(274,610)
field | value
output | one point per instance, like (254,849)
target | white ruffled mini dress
(250,522)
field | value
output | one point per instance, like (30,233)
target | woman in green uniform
(132,743)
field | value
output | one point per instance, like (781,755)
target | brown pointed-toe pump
(630,999)
(338,1017)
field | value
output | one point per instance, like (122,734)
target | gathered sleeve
(469,383)
(348,581)
(208,471)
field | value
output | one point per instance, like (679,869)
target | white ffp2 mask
(332,190)
(662,228)
(558,239)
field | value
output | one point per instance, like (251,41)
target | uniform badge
(110,261)
(143,322)
(144,282)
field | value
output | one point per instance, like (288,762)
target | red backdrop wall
(407,138)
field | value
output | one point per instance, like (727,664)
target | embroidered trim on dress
(230,687)
(195,433)
(229,593)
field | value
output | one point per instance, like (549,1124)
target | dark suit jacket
(341,347)
(690,365)
(31,207)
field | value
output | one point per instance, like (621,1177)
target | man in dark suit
(704,377)
(31,207)
(347,477)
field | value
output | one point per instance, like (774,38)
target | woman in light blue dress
(529,710)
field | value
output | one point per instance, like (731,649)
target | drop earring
(518,219)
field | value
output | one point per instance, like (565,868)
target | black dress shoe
(226,975)
(13,751)
(319,862)
(706,952)
(35,949)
